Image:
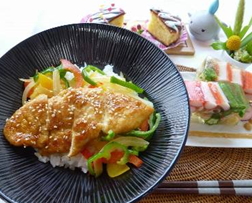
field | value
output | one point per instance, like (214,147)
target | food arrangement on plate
(162,28)
(78,117)
(62,104)
(220,100)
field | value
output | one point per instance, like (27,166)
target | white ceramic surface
(234,62)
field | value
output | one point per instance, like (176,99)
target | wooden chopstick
(232,187)
(207,183)
(206,191)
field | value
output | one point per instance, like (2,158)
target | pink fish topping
(219,96)
(195,93)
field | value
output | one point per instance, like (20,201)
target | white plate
(218,142)
(199,141)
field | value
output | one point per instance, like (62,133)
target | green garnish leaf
(209,74)
(245,29)
(219,45)
(227,30)
(213,120)
(245,57)
(216,117)
(249,48)
(246,40)
(239,17)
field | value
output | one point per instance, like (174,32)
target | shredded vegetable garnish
(54,79)
(27,90)
(44,72)
(56,82)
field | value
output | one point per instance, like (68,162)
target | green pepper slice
(95,167)
(88,69)
(109,136)
(146,134)
(65,82)
(95,69)
(129,85)
(48,70)
(87,78)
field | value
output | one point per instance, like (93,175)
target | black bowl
(24,179)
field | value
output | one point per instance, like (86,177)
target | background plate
(25,179)
(226,136)
(218,142)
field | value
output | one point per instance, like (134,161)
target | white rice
(108,69)
(62,160)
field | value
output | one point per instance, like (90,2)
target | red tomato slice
(67,65)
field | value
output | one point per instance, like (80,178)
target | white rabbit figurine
(203,25)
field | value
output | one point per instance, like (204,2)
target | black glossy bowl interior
(24,179)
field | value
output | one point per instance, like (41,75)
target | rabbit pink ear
(214,7)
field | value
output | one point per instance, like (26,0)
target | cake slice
(165,27)
(111,15)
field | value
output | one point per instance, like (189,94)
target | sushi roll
(213,69)
(213,101)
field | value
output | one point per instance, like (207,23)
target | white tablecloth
(22,19)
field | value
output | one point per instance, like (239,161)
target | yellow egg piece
(41,90)
(115,169)
(45,81)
